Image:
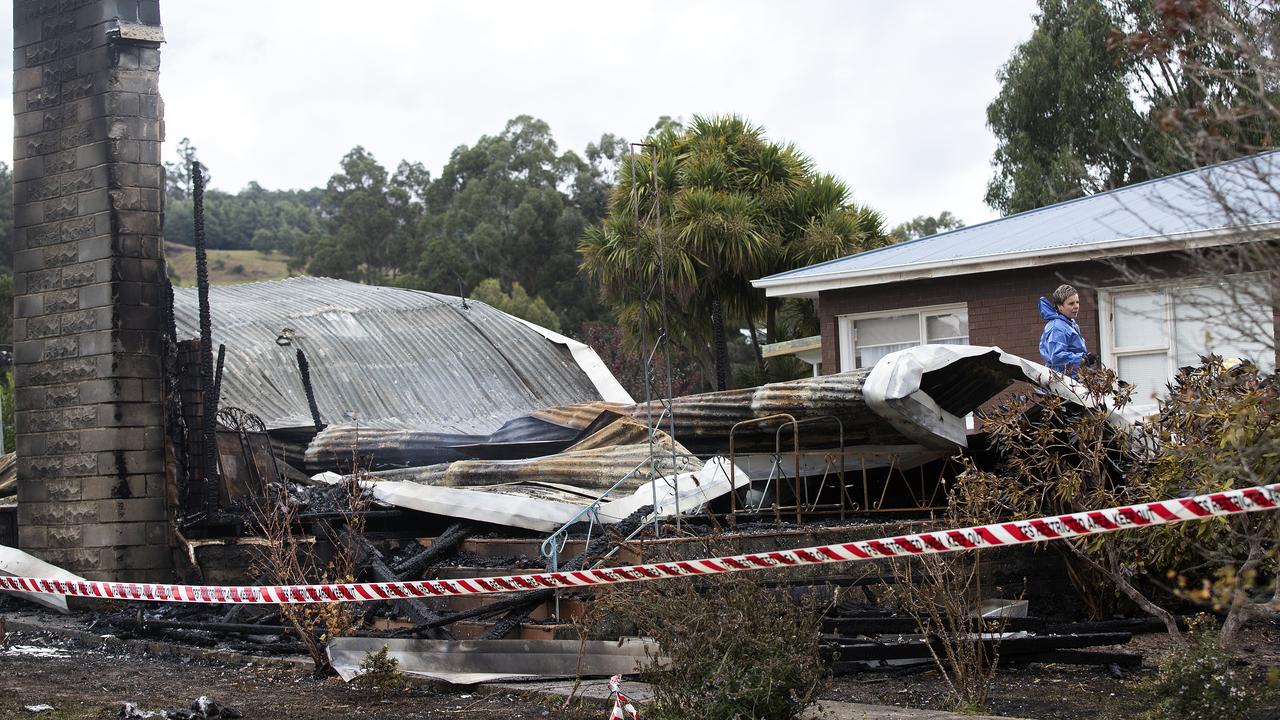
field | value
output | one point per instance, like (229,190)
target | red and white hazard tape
(623,708)
(1094,522)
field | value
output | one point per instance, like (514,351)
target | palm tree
(821,224)
(731,206)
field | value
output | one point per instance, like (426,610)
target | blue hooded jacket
(1061,344)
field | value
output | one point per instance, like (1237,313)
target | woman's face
(1071,307)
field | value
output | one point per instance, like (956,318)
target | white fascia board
(813,284)
(589,361)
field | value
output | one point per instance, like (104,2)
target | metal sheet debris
(16,563)
(466,662)
(915,396)
(387,357)
(9,474)
(925,392)
(595,469)
(760,466)
(507,505)
(542,432)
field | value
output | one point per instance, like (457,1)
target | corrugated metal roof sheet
(1173,205)
(393,357)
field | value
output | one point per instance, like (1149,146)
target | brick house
(1150,261)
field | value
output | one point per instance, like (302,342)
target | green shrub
(736,650)
(1201,681)
(378,671)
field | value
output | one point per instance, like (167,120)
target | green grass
(226,267)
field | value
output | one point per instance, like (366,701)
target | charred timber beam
(519,600)
(904,625)
(1080,657)
(208,423)
(446,543)
(858,651)
(304,369)
(517,607)
(416,610)
(217,627)
(1136,626)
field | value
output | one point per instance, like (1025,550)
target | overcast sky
(890,96)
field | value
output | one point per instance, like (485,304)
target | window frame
(1107,349)
(846,338)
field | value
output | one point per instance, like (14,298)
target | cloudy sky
(890,96)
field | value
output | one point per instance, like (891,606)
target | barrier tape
(1017,532)
(622,705)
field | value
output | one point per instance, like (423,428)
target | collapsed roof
(475,414)
(388,357)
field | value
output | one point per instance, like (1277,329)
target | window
(1149,332)
(867,337)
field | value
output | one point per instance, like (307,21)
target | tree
(1209,80)
(926,225)
(728,206)
(1110,92)
(822,224)
(512,207)
(517,303)
(258,218)
(1210,75)
(1065,120)
(178,175)
(1208,72)
(370,221)
(607,340)
(6,218)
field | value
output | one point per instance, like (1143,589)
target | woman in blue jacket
(1061,344)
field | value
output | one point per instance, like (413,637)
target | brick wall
(1003,308)
(88,273)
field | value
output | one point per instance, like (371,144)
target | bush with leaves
(1200,681)
(733,649)
(1216,430)
(379,671)
(288,558)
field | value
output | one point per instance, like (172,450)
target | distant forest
(503,219)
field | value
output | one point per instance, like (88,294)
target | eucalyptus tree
(512,207)
(1065,120)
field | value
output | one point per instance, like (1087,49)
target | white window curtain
(1149,332)
(866,338)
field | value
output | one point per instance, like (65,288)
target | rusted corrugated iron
(831,410)
(382,448)
(534,435)
(578,416)
(594,469)
(703,422)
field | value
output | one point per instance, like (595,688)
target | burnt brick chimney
(88,277)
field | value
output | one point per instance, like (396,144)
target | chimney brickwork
(88,284)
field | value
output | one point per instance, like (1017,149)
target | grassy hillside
(225,266)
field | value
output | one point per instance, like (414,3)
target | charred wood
(849,655)
(441,546)
(415,610)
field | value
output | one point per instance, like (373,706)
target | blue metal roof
(1177,205)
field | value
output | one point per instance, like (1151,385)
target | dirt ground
(1061,692)
(84,681)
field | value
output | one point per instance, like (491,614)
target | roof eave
(810,286)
